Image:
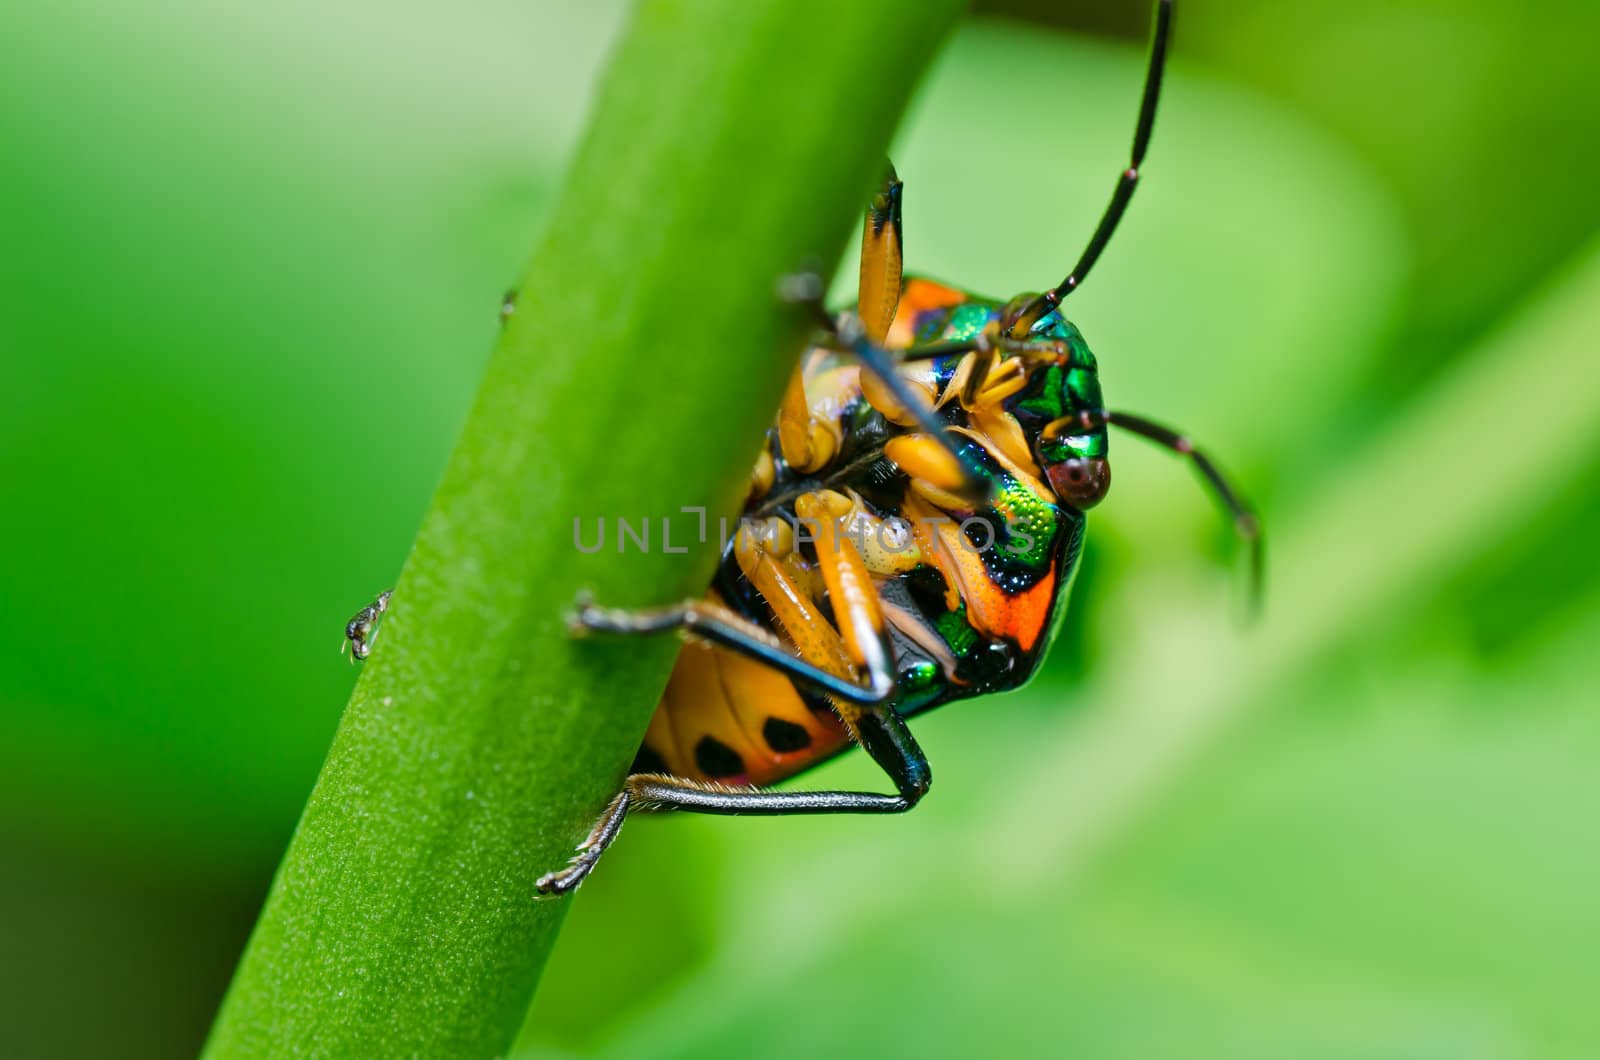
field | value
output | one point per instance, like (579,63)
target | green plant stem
(733,140)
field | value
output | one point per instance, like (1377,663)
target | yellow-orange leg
(862,335)
(878,291)
(828,657)
(806,442)
(721,626)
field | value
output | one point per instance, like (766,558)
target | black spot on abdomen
(716,759)
(648,761)
(785,736)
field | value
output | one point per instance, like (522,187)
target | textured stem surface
(733,140)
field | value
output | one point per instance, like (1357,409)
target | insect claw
(549,887)
(560,883)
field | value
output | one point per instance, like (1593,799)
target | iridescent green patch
(1074,446)
(1083,389)
(1025,524)
(968,320)
(1047,402)
(1022,547)
(1061,389)
(956,631)
(1059,329)
(919,678)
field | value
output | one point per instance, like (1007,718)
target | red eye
(1081,483)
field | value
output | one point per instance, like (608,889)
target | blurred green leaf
(1482,115)
(249,296)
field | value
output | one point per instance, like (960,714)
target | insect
(910,537)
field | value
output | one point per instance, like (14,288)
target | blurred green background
(253,255)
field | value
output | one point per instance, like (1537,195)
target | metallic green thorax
(1061,390)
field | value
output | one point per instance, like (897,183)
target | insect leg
(860,643)
(879,729)
(895,396)
(721,626)
(829,659)
(878,293)
(1126,181)
(1244,520)
(1032,349)
(808,444)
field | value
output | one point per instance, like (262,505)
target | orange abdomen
(735,721)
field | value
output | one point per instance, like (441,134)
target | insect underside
(914,520)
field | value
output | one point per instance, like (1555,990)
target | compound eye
(1080,482)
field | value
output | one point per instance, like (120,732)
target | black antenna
(1123,194)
